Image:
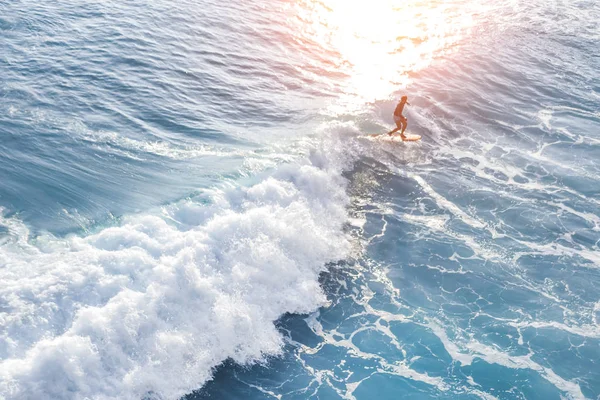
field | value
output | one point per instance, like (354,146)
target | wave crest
(153,305)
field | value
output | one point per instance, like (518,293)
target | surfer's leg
(404,125)
(398,121)
(398,126)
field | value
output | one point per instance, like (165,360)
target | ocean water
(191,206)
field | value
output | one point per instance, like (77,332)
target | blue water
(191,206)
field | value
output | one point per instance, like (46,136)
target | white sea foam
(492,355)
(153,305)
(399,368)
(448,205)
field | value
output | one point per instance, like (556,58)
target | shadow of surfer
(400,120)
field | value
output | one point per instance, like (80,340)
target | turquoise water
(191,206)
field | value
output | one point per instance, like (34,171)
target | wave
(148,308)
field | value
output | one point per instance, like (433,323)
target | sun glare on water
(378,43)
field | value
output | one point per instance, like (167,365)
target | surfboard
(411,138)
(396,137)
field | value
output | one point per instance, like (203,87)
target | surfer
(400,120)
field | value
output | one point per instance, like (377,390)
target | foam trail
(448,205)
(147,309)
(492,355)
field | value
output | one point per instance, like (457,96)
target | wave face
(190,206)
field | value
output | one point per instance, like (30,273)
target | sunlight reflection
(377,43)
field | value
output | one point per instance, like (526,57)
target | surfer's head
(404,99)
